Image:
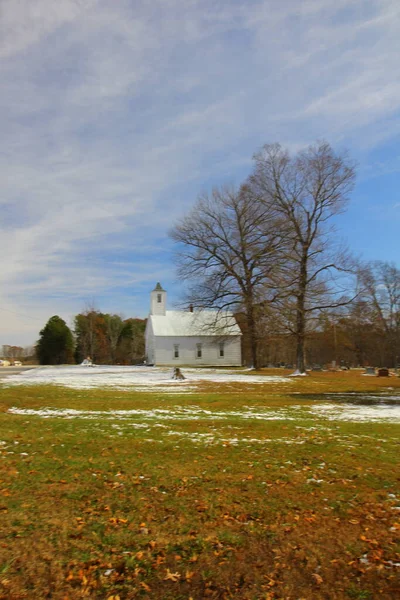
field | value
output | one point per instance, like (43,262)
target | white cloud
(25,22)
(115,115)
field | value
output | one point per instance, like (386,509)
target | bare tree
(229,248)
(12,351)
(306,190)
(381,287)
(86,332)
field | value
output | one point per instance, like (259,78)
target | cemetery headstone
(177,374)
(383,372)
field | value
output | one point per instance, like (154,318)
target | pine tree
(56,343)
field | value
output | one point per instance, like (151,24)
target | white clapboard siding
(149,343)
(164,351)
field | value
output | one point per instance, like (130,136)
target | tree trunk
(300,339)
(253,336)
(300,319)
(392,351)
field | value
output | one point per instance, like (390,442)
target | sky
(115,116)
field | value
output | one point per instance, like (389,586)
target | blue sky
(114,116)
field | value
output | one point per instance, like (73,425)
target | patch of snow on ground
(351,412)
(298,374)
(136,377)
(190,413)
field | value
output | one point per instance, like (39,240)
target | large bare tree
(229,248)
(307,190)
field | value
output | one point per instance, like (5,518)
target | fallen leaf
(159,560)
(145,586)
(317,578)
(172,576)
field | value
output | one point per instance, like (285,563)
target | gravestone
(383,372)
(369,371)
(317,368)
(87,362)
(177,374)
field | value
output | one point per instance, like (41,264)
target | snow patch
(351,412)
(146,379)
(298,374)
(189,413)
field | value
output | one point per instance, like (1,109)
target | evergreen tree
(56,343)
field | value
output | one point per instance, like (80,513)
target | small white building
(196,337)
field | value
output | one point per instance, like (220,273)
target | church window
(199,350)
(176,350)
(222,350)
(159,298)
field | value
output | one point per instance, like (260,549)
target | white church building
(193,337)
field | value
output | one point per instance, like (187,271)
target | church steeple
(158,300)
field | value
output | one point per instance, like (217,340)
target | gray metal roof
(198,323)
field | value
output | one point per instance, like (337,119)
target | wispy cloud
(114,115)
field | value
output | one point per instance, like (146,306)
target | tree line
(12,352)
(106,338)
(268,251)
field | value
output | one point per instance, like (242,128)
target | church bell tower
(158,301)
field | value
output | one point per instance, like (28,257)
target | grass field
(229,491)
